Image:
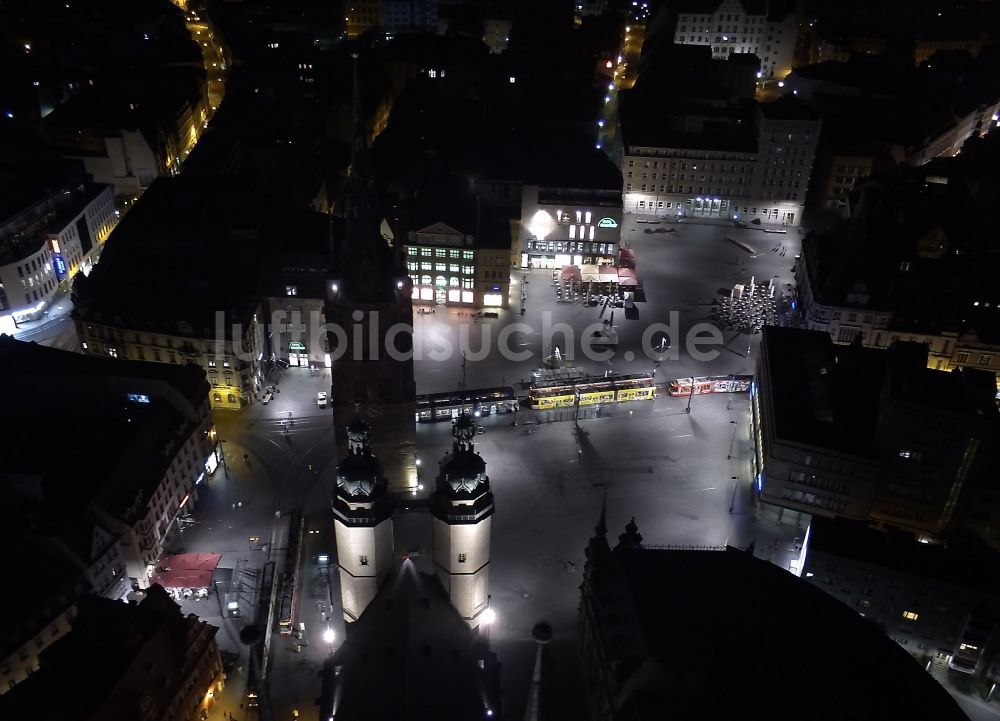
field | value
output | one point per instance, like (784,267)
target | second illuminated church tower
(462,515)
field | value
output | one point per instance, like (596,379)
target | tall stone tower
(362,519)
(461,512)
(370,319)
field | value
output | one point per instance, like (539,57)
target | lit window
(910,615)
(432,73)
(512,80)
(291,290)
(467,296)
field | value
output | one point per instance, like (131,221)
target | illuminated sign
(297,346)
(607,223)
(138,397)
(60,265)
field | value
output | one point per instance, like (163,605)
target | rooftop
(187,249)
(968,565)
(673,634)
(94,401)
(823,395)
(137,657)
(411,655)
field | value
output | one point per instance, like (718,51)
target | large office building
(845,431)
(142,440)
(735,161)
(718,633)
(765,28)
(124,661)
(53,224)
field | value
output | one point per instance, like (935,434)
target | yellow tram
(618,389)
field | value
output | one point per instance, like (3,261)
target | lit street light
(329,636)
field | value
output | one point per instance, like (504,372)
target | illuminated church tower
(461,513)
(369,310)
(362,519)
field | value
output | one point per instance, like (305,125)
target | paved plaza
(681,271)
(685,477)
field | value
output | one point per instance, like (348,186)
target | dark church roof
(411,656)
(722,634)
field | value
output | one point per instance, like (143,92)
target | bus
(593,391)
(482,402)
(709,384)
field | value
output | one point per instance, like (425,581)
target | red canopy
(187,570)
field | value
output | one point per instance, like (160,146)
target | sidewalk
(60,306)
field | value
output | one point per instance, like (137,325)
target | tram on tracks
(709,384)
(617,389)
(482,402)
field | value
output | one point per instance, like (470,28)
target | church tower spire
(462,510)
(362,519)
(368,302)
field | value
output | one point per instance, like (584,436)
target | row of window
(441,267)
(441,252)
(443,282)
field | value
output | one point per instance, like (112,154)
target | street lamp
(329,636)
(489,616)
(690,395)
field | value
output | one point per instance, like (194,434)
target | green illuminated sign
(607,223)
(297,346)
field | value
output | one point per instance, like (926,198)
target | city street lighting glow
(489,616)
(781,83)
(328,635)
(600,123)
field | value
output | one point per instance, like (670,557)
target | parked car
(321,399)
(267,398)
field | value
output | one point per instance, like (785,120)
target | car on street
(267,398)
(321,399)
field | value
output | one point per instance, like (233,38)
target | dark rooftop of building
(411,655)
(721,634)
(95,405)
(449,200)
(966,564)
(963,391)
(823,395)
(187,249)
(92,669)
(788,107)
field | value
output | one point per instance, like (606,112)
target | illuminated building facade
(741,26)
(47,235)
(462,257)
(568,226)
(125,661)
(361,15)
(722,162)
